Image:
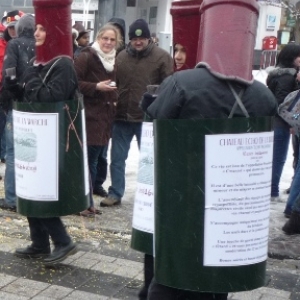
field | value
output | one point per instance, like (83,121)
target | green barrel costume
(179,147)
(65,121)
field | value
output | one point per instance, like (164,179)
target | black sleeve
(60,85)
(10,60)
(168,102)
(285,85)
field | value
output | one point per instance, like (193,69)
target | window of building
(19,3)
(28,3)
(6,2)
(131,3)
(153,15)
(143,14)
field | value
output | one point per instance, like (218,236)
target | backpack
(289,110)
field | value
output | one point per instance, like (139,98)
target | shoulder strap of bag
(46,76)
(238,102)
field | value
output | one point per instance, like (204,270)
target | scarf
(107,59)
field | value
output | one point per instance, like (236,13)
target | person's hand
(146,101)
(104,86)
(10,83)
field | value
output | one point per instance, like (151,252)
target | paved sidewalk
(107,268)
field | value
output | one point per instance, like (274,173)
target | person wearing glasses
(95,68)
(142,63)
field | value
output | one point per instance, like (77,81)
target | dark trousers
(295,143)
(148,276)
(161,292)
(101,169)
(43,228)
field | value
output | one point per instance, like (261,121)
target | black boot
(60,253)
(32,252)
(292,226)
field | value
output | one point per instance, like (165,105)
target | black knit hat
(139,28)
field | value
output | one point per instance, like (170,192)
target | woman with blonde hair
(95,68)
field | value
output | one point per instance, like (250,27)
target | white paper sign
(85,156)
(143,212)
(36,155)
(238,171)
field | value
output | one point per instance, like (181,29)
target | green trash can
(51,167)
(212,197)
(143,212)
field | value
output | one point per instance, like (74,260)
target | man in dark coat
(142,63)
(19,52)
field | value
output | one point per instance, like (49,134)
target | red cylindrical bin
(186,24)
(227,36)
(269,43)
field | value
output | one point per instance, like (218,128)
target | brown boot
(292,226)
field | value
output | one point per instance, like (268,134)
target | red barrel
(269,43)
(186,23)
(227,36)
(55,16)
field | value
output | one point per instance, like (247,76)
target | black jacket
(18,53)
(59,85)
(197,94)
(20,50)
(282,81)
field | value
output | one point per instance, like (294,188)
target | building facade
(279,19)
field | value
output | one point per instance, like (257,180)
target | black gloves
(146,101)
(6,98)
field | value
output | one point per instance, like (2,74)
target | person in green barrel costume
(52,78)
(209,91)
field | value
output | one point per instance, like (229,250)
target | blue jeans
(293,202)
(93,153)
(296,206)
(122,135)
(101,168)
(3,146)
(9,180)
(280,150)
(2,133)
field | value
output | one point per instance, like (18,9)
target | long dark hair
(287,56)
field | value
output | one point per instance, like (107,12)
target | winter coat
(281,81)
(136,70)
(198,94)
(20,50)
(100,107)
(2,52)
(59,85)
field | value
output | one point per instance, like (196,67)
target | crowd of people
(113,77)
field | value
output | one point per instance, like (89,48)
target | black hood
(120,23)
(25,26)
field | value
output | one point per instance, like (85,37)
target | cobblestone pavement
(105,266)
